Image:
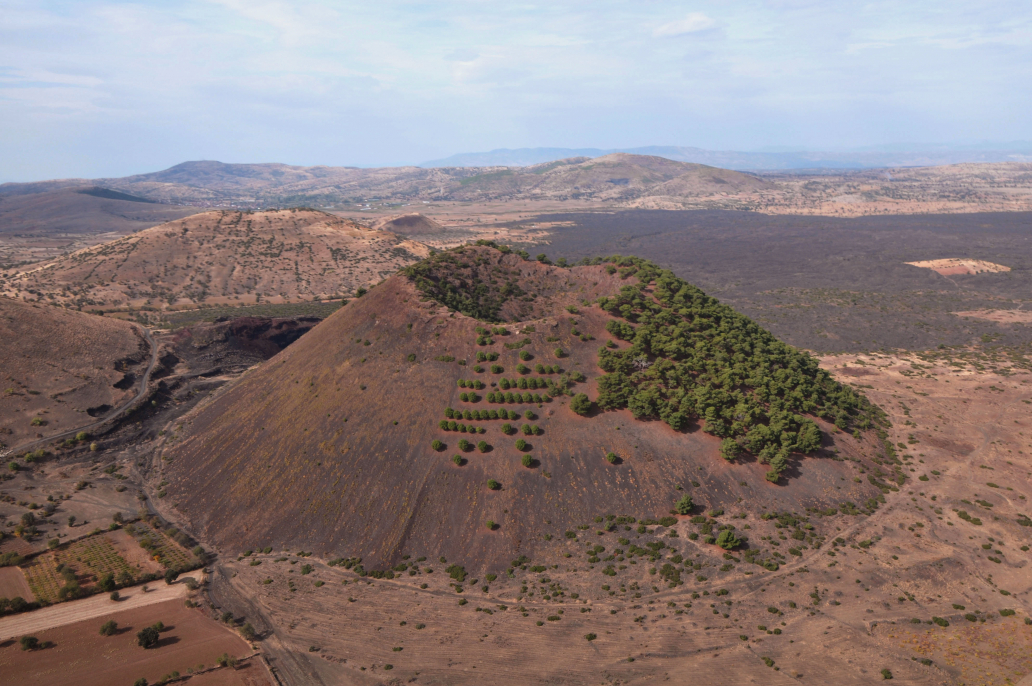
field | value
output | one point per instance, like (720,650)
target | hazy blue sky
(105,88)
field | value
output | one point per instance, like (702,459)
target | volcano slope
(62,368)
(356,441)
(219,258)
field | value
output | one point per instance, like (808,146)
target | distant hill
(83,210)
(408,225)
(220,257)
(611,177)
(667,178)
(744,161)
(352,443)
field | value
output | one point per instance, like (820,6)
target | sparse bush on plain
(147,638)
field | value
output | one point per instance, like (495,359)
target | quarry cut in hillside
(219,258)
(479,404)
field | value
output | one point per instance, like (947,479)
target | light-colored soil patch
(954,266)
(80,656)
(13,584)
(1001,316)
(92,607)
(130,549)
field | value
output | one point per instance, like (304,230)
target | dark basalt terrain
(828,284)
(343,444)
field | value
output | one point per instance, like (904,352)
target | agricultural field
(89,559)
(190,642)
(167,552)
(84,562)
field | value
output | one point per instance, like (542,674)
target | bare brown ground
(56,364)
(80,656)
(129,548)
(972,429)
(13,584)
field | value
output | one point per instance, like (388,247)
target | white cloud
(693,23)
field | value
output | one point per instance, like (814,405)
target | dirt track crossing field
(95,606)
(80,656)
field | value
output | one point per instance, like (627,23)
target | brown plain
(80,656)
(13,584)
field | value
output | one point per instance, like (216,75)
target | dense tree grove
(692,358)
(689,359)
(469,294)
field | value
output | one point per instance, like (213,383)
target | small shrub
(457,459)
(521,444)
(29,643)
(590,637)
(684,505)
(490,525)
(482,446)
(581,404)
(611,457)
(437,445)
(147,638)
(886,674)
(527,460)
(493,485)
(108,628)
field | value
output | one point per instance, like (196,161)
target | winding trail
(104,420)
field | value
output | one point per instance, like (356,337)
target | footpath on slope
(99,605)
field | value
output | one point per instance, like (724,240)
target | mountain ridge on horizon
(868,158)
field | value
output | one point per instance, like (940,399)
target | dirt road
(95,606)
